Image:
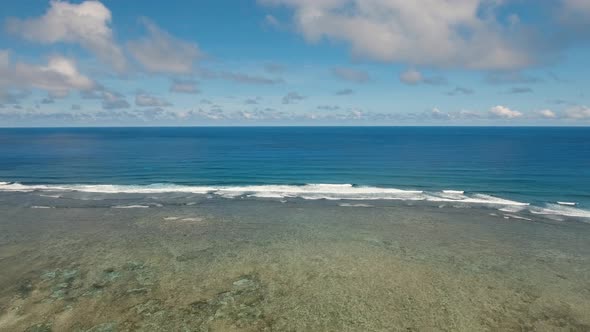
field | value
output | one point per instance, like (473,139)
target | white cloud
(113,100)
(456,33)
(438,114)
(411,76)
(575,9)
(4,58)
(59,76)
(86,24)
(161,52)
(10,96)
(328,107)
(144,100)
(460,91)
(274,68)
(351,75)
(185,86)
(292,98)
(578,113)
(110,99)
(344,92)
(248,79)
(272,21)
(519,90)
(504,112)
(548,114)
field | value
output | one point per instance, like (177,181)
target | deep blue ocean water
(526,164)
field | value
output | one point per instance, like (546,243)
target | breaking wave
(308,191)
(311,192)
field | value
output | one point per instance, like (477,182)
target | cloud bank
(450,33)
(86,24)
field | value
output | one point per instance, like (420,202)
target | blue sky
(294,62)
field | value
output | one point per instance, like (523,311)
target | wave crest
(308,191)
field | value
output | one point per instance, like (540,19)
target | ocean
(295,229)
(523,166)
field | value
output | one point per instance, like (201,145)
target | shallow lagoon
(198,263)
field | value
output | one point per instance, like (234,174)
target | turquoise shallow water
(178,262)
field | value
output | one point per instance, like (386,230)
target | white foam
(50,196)
(518,217)
(108,188)
(308,191)
(560,210)
(41,207)
(130,207)
(355,205)
(567,203)
(453,192)
(192,219)
(512,208)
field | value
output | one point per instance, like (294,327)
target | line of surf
(308,191)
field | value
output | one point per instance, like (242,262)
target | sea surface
(295,229)
(547,169)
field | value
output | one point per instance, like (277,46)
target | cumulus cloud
(239,77)
(457,33)
(160,52)
(413,77)
(4,58)
(438,114)
(576,14)
(86,24)
(12,97)
(47,100)
(504,112)
(146,100)
(351,75)
(59,76)
(274,68)
(328,107)
(519,90)
(344,92)
(110,99)
(113,100)
(223,114)
(547,114)
(292,97)
(578,113)
(272,21)
(185,86)
(249,79)
(460,91)
(578,5)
